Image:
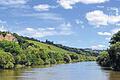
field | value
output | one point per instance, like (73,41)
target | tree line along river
(73,71)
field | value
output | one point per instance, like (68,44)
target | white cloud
(98,46)
(109,34)
(42,7)
(99,18)
(2,22)
(63,29)
(46,16)
(37,32)
(68,4)
(100,6)
(13,2)
(108,38)
(2,28)
(104,33)
(30,29)
(2,25)
(79,22)
(118,24)
(114,10)
(113,31)
(51,28)
(117,11)
(5,4)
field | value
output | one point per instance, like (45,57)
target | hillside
(86,51)
(18,51)
(48,47)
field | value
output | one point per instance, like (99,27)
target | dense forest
(111,57)
(18,51)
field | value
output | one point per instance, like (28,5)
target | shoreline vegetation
(111,57)
(18,51)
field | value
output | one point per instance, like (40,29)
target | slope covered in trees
(111,58)
(26,51)
(87,51)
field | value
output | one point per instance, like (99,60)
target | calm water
(75,71)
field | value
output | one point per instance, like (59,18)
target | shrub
(75,57)
(114,52)
(104,59)
(21,59)
(39,62)
(11,47)
(53,61)
(67,58)
(6,60)
(57,57)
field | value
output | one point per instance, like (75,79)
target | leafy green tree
(6,60)
(58,57)
(9,46)
(35,56)
(75,57)
(67,58)
(115,38)
(43,55)
(21,59)
(112,57)
(104,59)
(114,52)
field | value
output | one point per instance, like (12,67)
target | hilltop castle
(8,37)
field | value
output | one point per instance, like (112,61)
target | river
(73,71)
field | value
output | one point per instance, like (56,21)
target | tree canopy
(112,56)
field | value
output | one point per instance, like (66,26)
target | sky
(75,23)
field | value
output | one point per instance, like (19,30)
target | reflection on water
(114,75)
(75,71)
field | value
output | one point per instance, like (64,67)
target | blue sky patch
(76,23)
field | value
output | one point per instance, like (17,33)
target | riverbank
(23,66)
